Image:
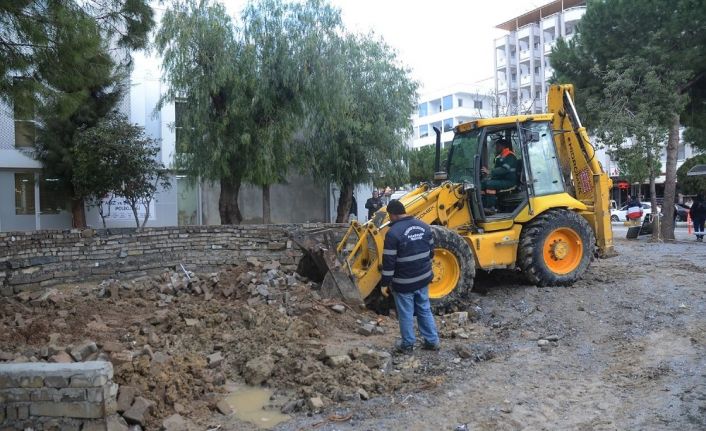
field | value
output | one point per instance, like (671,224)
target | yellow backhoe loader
(549,225)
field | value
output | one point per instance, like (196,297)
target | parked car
(621,214)
(398,194)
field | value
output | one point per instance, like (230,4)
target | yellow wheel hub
(563,250)
(447,272)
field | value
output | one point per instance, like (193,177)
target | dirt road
(630,354)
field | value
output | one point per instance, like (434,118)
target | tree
(200,61)
(32,34)
(115,158)
(670,35)
(692,185)
(143,174)
(279,44)
(361,130)
(64,63)
(421,163)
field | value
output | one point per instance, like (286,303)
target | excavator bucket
(322,264)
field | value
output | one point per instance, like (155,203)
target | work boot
(431,346)
(403,349)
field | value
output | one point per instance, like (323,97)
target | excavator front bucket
(322,264)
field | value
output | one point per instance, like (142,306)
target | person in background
(698,216)
(407,269)
(353,212)
(373,204)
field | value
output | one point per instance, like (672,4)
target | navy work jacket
(406,261)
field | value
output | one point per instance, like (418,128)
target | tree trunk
(228,201)
(653,202)
(147,213)
(133,206)
(344,203)
(670,182)
(78,213)
(266,205)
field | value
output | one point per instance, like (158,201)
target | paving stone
(139,411)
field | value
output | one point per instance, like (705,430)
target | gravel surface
(625,348)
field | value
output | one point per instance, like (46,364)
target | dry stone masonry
(78,396)
(31,260)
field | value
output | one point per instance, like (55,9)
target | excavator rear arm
(592,184)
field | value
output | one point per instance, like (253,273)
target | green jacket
(505,167)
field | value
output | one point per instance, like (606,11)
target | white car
(398,194)
(621,214)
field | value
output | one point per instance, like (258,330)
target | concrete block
(45,394)
(138,413)
(14,395)
(94,395)
(23,412)
(99,425)
(73,394)
(66,409)
(31,381)
(56,381)
(126,396)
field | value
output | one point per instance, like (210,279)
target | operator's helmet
(503,142)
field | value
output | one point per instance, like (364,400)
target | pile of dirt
(178,337)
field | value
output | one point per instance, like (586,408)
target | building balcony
(574,13)
(548,46)
(548,72)
(502,85)
(525,80)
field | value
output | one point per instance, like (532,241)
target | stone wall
(79,396)
(31,260)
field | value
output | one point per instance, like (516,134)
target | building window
(24,114)
(52,196)
(447,103)
(460,103)
(423,109)
(179,138)
(423,131)
(536,70)
(477,104)
(448,125)
(24,194)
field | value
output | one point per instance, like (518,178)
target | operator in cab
(503,176)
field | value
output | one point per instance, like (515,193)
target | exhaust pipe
(439,175)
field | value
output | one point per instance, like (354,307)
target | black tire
(449,240)
(533,240)
(614,218)
(633,232)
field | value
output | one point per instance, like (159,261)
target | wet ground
(630,353)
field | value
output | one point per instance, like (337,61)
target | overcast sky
(444,42)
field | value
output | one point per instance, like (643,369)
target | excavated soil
(624,348)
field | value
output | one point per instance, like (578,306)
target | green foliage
(360,131)
(288,90)
(116,158)
(421,163)
(198,49)
(692,185)
(44,39)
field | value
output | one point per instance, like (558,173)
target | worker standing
(373,204)
(698,216)
(406,268)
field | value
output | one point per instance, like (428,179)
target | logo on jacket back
(414,233)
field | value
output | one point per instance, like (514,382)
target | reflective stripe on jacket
(406,260)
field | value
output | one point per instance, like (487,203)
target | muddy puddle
(248,404)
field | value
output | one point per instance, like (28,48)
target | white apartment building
(449,107)
(522,66)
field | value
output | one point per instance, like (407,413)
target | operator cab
(472,161)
